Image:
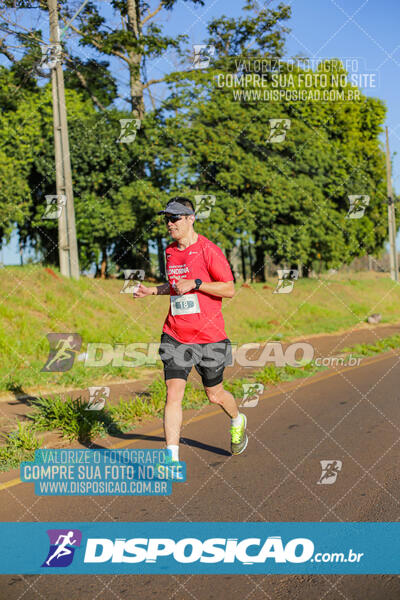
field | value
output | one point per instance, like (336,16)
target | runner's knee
(174,398)
(175,392)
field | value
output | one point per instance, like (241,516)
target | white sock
(237,420)
(173,451)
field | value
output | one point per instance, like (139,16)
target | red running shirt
(202,260)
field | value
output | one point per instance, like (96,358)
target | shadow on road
(129,437)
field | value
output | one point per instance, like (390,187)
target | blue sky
(362,29)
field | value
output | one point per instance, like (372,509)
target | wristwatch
(198,283)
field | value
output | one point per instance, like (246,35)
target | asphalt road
(352,416)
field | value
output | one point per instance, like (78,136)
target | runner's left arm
(222,289)
(219,270)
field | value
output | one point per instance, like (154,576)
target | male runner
(199,277)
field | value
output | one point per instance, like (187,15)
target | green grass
(271,375)
(73,421)
(256,324)
(33,303)
(19,445)
(383,345)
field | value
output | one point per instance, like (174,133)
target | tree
(290,197)
(20,140)
(89,76)
(137,40)
(101,167)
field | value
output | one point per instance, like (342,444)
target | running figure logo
(51,55)
(330,470)
(286,279)
(204,204)
(63,347)
(251,394)
(63,543)
(133,279)
(54,206)
(129,128)
(357,207)
(97,397)
(279,129)
(202,54)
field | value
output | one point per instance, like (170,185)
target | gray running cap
(176,208)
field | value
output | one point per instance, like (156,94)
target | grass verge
(383,345)
(72,419)
(19,445)
(98,312)
(271,375)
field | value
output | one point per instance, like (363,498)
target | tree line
(286,201)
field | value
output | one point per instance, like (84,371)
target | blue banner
(102,472)
(207,548)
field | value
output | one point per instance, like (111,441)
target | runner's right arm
(157,290)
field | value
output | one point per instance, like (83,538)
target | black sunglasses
(172,218)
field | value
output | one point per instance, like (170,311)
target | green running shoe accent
(239,437)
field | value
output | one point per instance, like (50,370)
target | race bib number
(187,304)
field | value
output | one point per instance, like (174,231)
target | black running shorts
(209,360)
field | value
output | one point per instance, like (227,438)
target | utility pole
(67,244)
(394,266)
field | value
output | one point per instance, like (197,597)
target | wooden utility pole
(67,244)
(243,256)
(394,266)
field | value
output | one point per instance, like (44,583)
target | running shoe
(239,437)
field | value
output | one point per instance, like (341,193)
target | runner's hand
(143,291)
(184,285)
